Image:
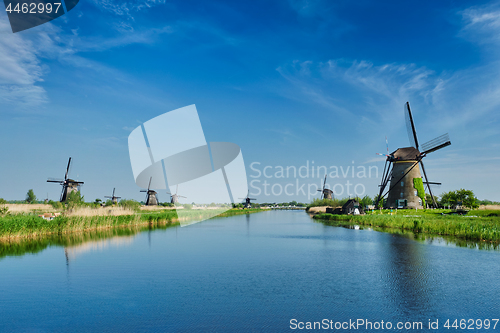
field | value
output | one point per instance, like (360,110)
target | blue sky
(290,82)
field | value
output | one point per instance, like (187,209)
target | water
(246,273)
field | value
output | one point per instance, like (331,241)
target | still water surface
(246,273)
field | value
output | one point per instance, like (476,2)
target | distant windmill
(175,197)
(113,198)
(69,185)
(403,168)
(151,198)
(248,202)
(325,192)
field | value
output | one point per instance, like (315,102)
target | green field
(477,225)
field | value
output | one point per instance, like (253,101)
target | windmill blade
(383,183)
(324,183)
(113,191)
(387,145)
(108,197)
(150,178)
(144,190)
(432,183)
(117,197)
(67,169)
(383,154)
(410,126)
(436,144)
(428,187)
(180,196)
(55,180)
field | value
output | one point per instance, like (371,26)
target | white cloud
(126,8)
(481,23)
(348,87)
(20,69)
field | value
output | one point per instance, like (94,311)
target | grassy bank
(19,246)
(478,225)
(28,225)
(31,225)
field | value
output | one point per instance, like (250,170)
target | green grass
(233,212)
(21,246)
(21,234)
(29,225)
(477,225)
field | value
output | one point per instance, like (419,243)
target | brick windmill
(248,200)
(406,189)
(326,193)
(68,185)
(113,198)
(174,198)
(151,198)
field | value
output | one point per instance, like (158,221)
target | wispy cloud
(329,84)
(126,8)
(481,23)
(20,69)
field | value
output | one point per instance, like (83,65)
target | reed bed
(29,208)
(87,218)
(478,226)
(19,246)
(24,225)
(100,211)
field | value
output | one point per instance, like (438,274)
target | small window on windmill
(401,194)
(416,193)
(402,184)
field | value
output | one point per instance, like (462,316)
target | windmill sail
(410,127)
(436,144)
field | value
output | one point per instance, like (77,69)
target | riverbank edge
(33,226)
(472,230)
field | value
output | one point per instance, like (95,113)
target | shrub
(130,204)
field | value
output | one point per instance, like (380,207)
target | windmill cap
(406,154)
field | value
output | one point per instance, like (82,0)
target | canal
(246,273)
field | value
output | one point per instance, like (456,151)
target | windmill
(151,198)
(402,169)
(325,192)
(69,185)
(248,203)
(114,199)
(175,197)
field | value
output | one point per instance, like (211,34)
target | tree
(467,198)
(459,197)
(30,197)
(366,201)
(74,199)
(381,203)
(428,199)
